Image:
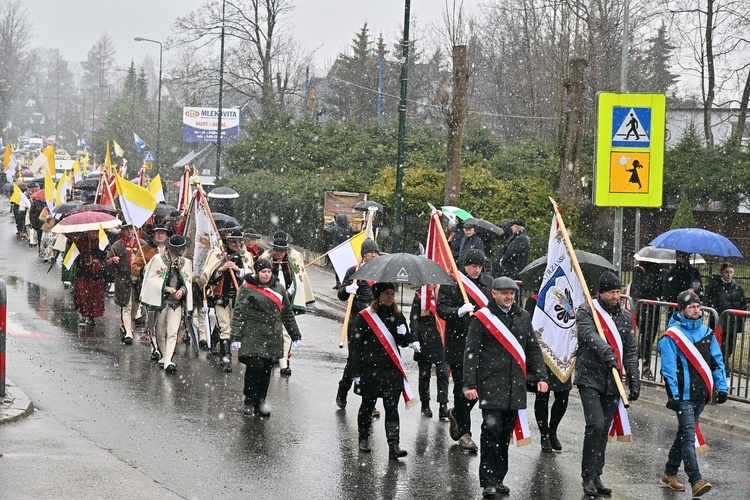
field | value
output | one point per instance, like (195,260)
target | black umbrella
(163,210)
(366,205)
(403,268)
(87,184)
(484,227)
(223,192)
(592,266)
(224,221)
(66,208)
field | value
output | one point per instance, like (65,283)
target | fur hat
(379,288)
(178,242)
(369,245)
(609,281)
(686,298)
(261,264)
(504,283)
(474,256)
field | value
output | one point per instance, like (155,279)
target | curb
(16,405)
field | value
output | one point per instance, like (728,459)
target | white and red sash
(620,427)
(688,349)
(502,334)
(473,291)
(275,297)
(389,344)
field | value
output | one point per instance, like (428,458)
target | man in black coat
(596,382)
(494,375)
(681,276)
(515,254)
(456,314)
(470,241)
(363,297)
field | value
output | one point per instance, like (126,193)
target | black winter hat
(369,245)
(178,242)
(686,298)
(234,235)
(474,256)
(281,240)
(609,281)
(261,264)
(379,288)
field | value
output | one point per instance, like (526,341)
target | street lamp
(158,106)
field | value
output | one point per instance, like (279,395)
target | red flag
(107,190)
(439,252)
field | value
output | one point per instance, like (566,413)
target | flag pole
(454,267)
(221,245)
(350,301)
(589,301)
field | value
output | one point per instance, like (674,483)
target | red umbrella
(38,195)
(86,221)
(94,207)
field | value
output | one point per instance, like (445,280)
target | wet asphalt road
(111,424)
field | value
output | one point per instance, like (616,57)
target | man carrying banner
(501,355)
(594,378)
(452,309)
(692,366)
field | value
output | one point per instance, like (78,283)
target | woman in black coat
(376,374)
(432,351)
(725,293)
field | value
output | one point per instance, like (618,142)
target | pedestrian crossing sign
(629,149)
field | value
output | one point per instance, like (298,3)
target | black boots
(364,444)
(391,433)
(225,363)
(546,445)
(426,411)
(594,487)
(395,452)
(600,488)
(443,413)
(554,442)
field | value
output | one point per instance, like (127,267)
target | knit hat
(369,245)
(504,283)
(686,298)
(379,288)
(474,256)
(261,264)
(609,281)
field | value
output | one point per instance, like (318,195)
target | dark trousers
(345,383)
(598,411)
(683,447)
(493,462)
(461,406)
(549,422)
(257,378)
(392,422)
(425,373)
(648,324)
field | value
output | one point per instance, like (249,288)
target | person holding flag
(456,313)
(121,255)
(596,358)
(502,354)
(693,367)
(377,366)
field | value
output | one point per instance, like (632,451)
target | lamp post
(158,105)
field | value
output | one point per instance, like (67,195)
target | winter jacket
(722,296)
(515,255)
(292,265)
(492,370)
(122,270)
(682,381)
(143,258)
(92,262)
(424,329)
(368,358)
(647,283)
(678,279)
(594,352)
(467,244)
(339,229)
(449,302)
(155,279)
(257,321)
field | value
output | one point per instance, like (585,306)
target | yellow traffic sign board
(629,150)
(148,165)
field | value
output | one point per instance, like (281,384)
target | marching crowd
(489,348)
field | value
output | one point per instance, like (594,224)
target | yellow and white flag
(347,254)
(137,203)
(61,190)
(118,150)
(9,163)
(46,159)
(75,171)
(71,256)
(49,190)
(103,240)
(155,188)
(19,198)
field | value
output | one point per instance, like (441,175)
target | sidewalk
(15,405)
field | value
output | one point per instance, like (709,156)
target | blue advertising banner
(201,124)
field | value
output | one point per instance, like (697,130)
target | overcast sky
(325,25)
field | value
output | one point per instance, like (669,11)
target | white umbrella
(650,253)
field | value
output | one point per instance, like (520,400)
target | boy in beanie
(689,383)
(596,384)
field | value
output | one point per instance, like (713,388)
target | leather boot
(589,488)
(392,435)
(426,411)
(600,488)
(364,444)
(546,445)
(556,445)
(395,452)
(226,356)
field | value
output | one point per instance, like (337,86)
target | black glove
(634,393)
(673,404)
(721,398)
(612,363)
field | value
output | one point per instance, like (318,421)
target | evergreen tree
(683,218)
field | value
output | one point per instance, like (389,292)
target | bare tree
(15,34)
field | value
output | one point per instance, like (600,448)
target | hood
(341,220)
(694,328)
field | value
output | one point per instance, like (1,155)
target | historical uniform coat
(302,293)
(154,281)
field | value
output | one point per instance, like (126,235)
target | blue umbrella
(695,240)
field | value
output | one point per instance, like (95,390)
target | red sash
(276,297)
(473,291)
(502,334)
(389,344)
(620,427)
(700,365)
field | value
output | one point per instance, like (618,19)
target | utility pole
(221,91)
(398,223)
